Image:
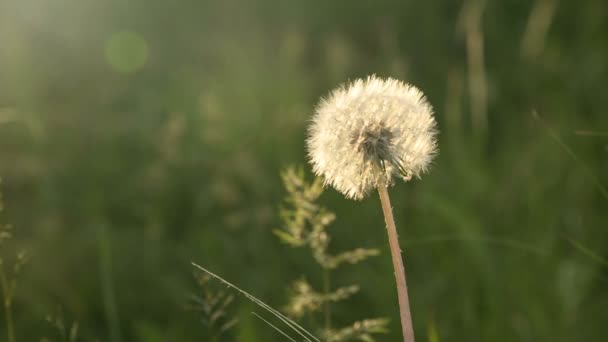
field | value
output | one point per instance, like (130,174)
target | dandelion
(368,132)
(363,136)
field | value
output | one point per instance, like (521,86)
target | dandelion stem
(393,240)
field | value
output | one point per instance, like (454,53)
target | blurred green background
(137,136)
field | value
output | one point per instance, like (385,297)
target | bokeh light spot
(126,51)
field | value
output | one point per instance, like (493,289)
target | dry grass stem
(393,240)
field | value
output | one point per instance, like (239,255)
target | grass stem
(7,292)
(326,305)
(107,283)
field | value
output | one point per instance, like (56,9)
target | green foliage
(64,330)
(305,224)
(11,264)
(213,308)
(178,158)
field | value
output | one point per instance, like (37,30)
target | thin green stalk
(109,298)
(393,239)
(8,304)
(326,290)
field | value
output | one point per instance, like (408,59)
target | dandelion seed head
(369,131)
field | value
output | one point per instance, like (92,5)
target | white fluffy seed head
(369,131)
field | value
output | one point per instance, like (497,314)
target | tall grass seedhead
(305,224)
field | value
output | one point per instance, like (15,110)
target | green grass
(179,159)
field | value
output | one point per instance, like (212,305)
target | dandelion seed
(369,131)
